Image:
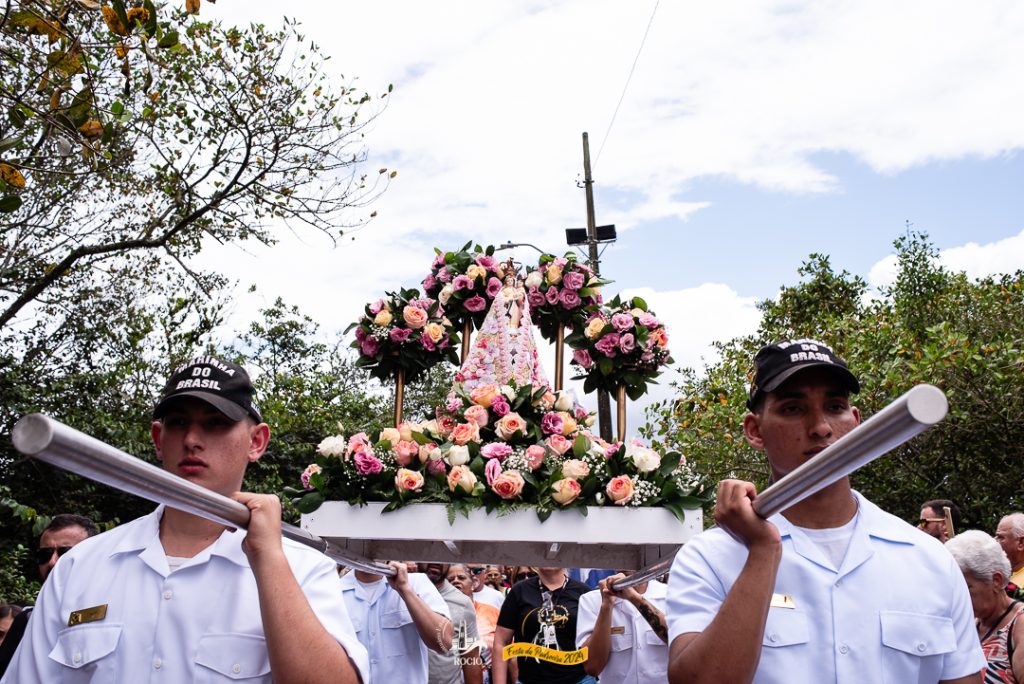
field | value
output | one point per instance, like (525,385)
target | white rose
(637,313)
(564,402)
(457,455)
(508,392)
(332,446)
(534,279)
(643,458)
(445,294)
(575,469)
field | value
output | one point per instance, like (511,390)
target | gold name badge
(94,614)
(782,601)
(618,630)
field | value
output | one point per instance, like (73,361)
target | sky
(729,141)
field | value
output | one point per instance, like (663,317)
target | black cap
(222,384)
(777,362)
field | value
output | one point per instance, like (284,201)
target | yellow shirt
(1017,577)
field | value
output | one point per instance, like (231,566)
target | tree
(931,325)
(143,129)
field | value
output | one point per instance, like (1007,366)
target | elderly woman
(986,570)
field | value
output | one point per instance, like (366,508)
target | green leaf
(580,445)
(17,116)
(9,203)
(170,39)
(639,303)
(605,365)
(121,13)
(310,502)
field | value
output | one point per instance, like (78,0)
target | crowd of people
(831,589)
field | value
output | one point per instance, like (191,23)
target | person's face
(933,524)
(435,572)
(477,572)
(1011,543)
(984,594)
(460,579)
(199,443)
(493,576)
(798,420)
(65,537)
(5,626)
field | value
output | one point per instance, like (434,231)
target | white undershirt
(370,590)
(175,562)
(833,541)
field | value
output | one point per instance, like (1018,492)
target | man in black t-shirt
(527,617)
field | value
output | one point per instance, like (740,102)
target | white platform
(616,538)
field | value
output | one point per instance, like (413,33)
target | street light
(512,245)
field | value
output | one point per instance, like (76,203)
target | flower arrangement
(403,331)
(620,344)
(500,448)
(465,282)
(562,290)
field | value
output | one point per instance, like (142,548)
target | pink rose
(508,485)
(493,287)
(461,477)
(627,343)
(620,490)
(608,345)
(444,276)
(310,470)
(405,451)
(465,433)
(536,298)
(496,450)
(430,282)
(500,406)
(438,260)
(427,343)
(475,303)
(569,299)
(483,395)
(414,317)
(445,425)
(573,280)
(511,425)
(435,467)
(487,262)
(559,444)
(462,282)
(408,480)
(551,424)
(492,470)
(399,335)
(622,321)
(648,320)
(551,295)
(453,403)
(581,357)
(367,464)
(565,491)
(370,346)
(477,414)
(429,452)
(535,456)
(376,307)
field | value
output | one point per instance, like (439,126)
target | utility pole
(604,411)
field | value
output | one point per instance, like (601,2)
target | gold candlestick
(559,355)
(467,330)
(620,404)
(399,393)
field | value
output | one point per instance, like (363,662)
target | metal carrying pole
(915,411)
(53,442)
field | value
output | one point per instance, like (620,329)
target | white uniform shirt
(637,655)
(385,627)
(200,623)
(490,596)
(896,611)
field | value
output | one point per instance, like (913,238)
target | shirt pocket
(785,627)
(398,641)
(232,657)
(622,638)
(915,644)
(87,652)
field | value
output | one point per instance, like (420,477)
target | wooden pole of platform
(399,393)
(467,331)
(620,405)
(559,356)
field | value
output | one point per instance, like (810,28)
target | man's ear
(156,431)
(259,438)
(752,430)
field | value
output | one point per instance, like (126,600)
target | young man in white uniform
(833,589)
(397,620)
(625,632)
(176,598)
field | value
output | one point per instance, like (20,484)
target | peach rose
(554,274)
(620,490)
(477,414)
(568,423)
(414,317)
(383,317)
(391,435)
(406,429)
(508,485)
(535,456)
(461,477)
(476,272)
(405,451)
(558,444)
(483,395)
(465,433)
(408,480)
(429,452)
(594,328)
(510,425)
(659,336)
(565,491)
(435,331)
(575,469)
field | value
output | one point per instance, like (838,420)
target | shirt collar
(872,520)
(144,536)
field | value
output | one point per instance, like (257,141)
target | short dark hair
(64,520)
(9,610)
(938,504)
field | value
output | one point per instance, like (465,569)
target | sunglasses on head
(45,553)
(476,571)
